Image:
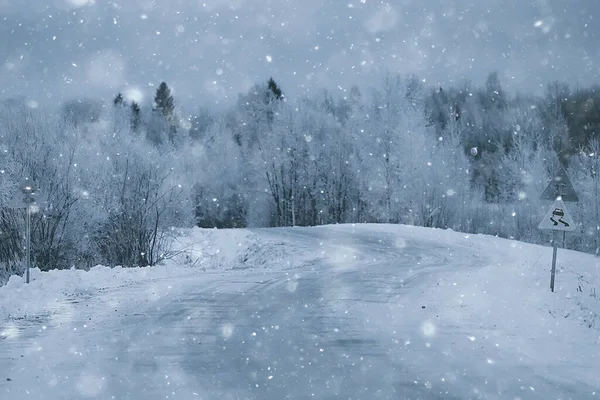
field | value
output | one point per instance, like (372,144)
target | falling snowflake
(428,329)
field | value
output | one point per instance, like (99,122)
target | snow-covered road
(343,312)
(296,334)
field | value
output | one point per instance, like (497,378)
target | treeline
(117,176)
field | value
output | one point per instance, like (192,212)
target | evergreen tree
(118,100)
(163,101)
(274,94)
(165,105)
(135,116)
(274,89)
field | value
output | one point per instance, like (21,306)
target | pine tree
(274,89)
(135,116)
(164,101)
(273,95)
(118,100)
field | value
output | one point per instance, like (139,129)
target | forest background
(117,178)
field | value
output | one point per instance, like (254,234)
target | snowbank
(198,251)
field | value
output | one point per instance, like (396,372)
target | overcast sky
(210,50)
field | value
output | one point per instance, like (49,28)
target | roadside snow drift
(345,311)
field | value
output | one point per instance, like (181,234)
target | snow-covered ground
(345,311)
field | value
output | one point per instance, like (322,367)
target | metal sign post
(26,199)
(29,191)
(29,200)
(558,218)
(554,251)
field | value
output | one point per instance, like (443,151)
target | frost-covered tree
(450,173)
(11,248)
(91,209)
(43,150)
(277,159)
(255,112)
(328,189)
(586,175)
(394,150)
(145,194)
(220,197)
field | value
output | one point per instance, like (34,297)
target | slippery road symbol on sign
(558,213)
(557,218)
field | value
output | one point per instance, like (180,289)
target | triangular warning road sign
(560,186)
(557,218)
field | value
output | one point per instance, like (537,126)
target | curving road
(294,334)
(346,319)
(297,334)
